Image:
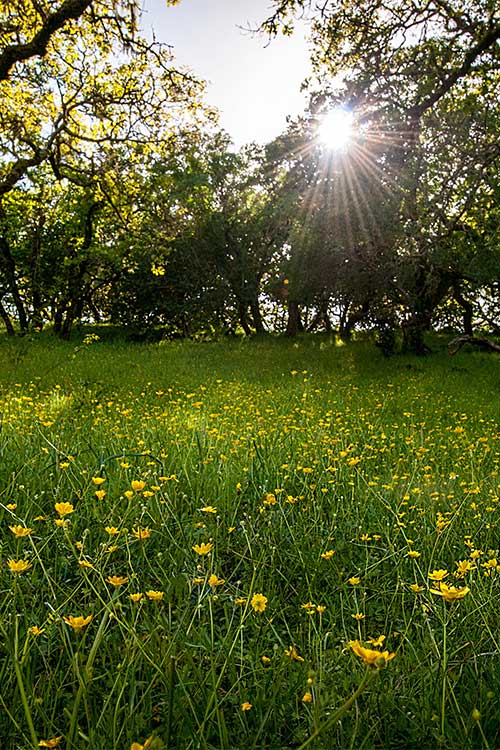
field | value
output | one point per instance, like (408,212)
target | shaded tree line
(121,201)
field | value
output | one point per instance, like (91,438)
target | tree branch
(14,53)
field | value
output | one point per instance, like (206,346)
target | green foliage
(307,467)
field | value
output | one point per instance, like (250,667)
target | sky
(253,83)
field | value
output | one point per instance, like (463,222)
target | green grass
(301,448)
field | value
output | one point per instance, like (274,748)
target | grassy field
(202,545)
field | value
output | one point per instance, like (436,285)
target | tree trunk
(294,322)
(7,321)
(257,316)
(468,310)
(243,316)
(7,264)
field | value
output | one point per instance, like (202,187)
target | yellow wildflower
(64,509)
(213,581)
(100,494)
(208,509)
(136,597)
(307,697)
(137,485)
(77,623)
(155,596)
(450,593)
(35,630)
(358,616)
(18,566)
(292,653)
(20,531)
(258,602)
(111,530)
(98,481)
(370,656)
(414,553)
(203,549)
(437,575)
(141,534)
(53,742)
(117,580)
(354,580)
(246,706)
(328,554)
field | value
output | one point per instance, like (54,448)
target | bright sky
(253,84)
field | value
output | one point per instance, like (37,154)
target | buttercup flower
(292,653)
(136,597)
(203,549)
(246,706)
(370,656)
(20,531)
(213,581)
(18,566)
(77,623)
(137,485)
(64,509)
(117,580)
(98,481)
(141,534)
(450,593)
(54,742)
(155,596)
(258,602)
(437,575)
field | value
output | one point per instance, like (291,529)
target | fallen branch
(482,343)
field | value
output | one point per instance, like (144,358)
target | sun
(335,129)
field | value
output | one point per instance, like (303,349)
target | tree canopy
(121,201)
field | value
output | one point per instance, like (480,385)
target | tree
(413,74)
(77,82)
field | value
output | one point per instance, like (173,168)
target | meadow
(247,544)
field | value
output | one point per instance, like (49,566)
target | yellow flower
(265,659)
(307,697)
(85,564)
(54,742)
(11,506)
(246,706)
(139,746)
(354,580)
(450,593)
(64,509)
(292,653)
(437,575)
(141,534)
(213,581)
(20,531)
(320,609)
(463,567)
(377,641)
(137,485)
(18,566)
(414,553)
(100,494)
(77,623)
(203,549)
(111,530)
(136,597)
(258,602)
(117,580)
(35,630)
(155,596)
(358,616)
(208,509)
(240,602)
(60,522)
(128,494)
(328,554)
(369,656)
(98,481)
(416,588)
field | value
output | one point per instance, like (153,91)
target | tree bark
(294,322)
(7,321)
